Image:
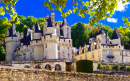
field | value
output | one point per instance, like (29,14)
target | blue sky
(36,8)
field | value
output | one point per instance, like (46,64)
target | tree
(100,67)
(123,67)
(79,34)
(2,53)
(107,67)
(115,67)
(128,69)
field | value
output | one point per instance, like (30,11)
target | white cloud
(112,20)
(121,6)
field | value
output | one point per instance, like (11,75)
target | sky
(36,8)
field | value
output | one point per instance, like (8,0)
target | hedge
(85,66)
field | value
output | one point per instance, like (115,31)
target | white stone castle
(53,42)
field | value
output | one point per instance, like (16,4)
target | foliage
(123,67)
(79,34)
(115,67)
(2,53)
(84,66)
(128,68)
(107,67)
(100,66)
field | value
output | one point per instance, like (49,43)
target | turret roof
(37,28)
(49,22)
(114,36)
(65,23)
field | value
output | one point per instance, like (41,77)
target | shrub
(100,66)
(123,67)
(115,67)
(107,67)
(85,66)
(128,69)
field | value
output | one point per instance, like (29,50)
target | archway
(37,67)
(57,67)
(48,67)
(26,66)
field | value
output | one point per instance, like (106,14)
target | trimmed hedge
(85,66)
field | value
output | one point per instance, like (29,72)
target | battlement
(118,47)
(11,39)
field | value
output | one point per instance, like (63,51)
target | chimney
(13,29)
(53,18)
(21,35)
(46,17)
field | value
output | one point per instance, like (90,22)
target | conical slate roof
(57,25)
(65,23)
(49,22)
(91,35)
(114,36)
(37,28)
(11,32)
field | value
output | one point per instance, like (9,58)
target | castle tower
(66,29)
(107,39)
(11,42)
(91,38)
(115,38)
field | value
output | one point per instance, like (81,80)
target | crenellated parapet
(11,39)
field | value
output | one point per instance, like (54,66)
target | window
(120,54)
(68,54)
(126,54)
(92,55)
(85,56)
(45,45)
(68,48)
(58,47)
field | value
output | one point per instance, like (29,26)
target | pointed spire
(91,35)
(57,25)
(114,36)
(107,36)
(37,28)
(65,23)
(49,22)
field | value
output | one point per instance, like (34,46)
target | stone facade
(53,42)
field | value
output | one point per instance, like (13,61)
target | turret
(66,29)
(49,29)
(53,19)
(11,42)
(115,38)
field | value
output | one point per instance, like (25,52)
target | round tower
(11,42)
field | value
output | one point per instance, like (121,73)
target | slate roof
(37,28)
(11,32)
(91,36)
(99,31)
(57,25)
(49,22)
(27,37)
(65,23)
(114,36)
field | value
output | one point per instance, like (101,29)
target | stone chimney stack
(53,18)
(21,35)
(13,30)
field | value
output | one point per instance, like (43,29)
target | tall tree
(79,35)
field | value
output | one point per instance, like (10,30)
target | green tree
(123,67)
(115,67)
(107,67)
(79,35)
(99,67)
(128,69)
(2,53)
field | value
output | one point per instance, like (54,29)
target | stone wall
(42,75)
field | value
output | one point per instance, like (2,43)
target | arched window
(48,67)
(37,67)
(58,67)
(26,66)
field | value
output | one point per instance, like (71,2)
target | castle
(109,50)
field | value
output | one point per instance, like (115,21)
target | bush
(107,67)
(85,66)
(123,67)
(100,66)
(115,67)
(128,69)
